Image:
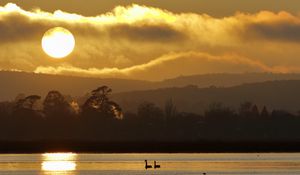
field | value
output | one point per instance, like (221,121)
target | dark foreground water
(133,164)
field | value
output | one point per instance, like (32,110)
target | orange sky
(153,41)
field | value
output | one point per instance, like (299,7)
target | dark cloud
(147,33)
(15,27)
(283,31)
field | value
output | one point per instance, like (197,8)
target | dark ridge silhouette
(272,94)
(227,79)
(31,83)
(97,123)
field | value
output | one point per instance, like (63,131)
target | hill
(227,79)
(274,94)
(13,83)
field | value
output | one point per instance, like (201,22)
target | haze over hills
(13,83)
(279,95)
(227,79)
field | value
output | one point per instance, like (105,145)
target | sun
(58,42)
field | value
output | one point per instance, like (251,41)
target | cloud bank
(149,43)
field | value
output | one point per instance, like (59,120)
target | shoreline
(148,147)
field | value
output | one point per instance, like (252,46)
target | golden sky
(153,40)
(216,8)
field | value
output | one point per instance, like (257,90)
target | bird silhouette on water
(155,165)
(146,165)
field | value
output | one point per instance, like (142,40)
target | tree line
(98,118)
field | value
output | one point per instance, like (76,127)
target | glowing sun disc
(58,42)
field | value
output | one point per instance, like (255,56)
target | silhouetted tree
(281,114)
(264,112)
(6,108)
(22,119)
(170,109)
(55,105)
(148,110)
(218,111)
(99,104)
(20,96)
(30,101)
(75,107)
(26,103)
(27,119)
(255,111)
(245,109)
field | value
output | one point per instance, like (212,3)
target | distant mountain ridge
(227,79)
(13,83)
(279,95)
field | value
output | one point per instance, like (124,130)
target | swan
(155,165)
(146,165)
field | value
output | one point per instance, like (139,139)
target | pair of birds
(150,166)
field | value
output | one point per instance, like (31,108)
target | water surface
(133,164)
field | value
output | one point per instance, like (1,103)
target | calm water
(133,164)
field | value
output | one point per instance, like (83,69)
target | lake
(133,164)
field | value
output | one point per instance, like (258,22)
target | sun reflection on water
(54,163)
